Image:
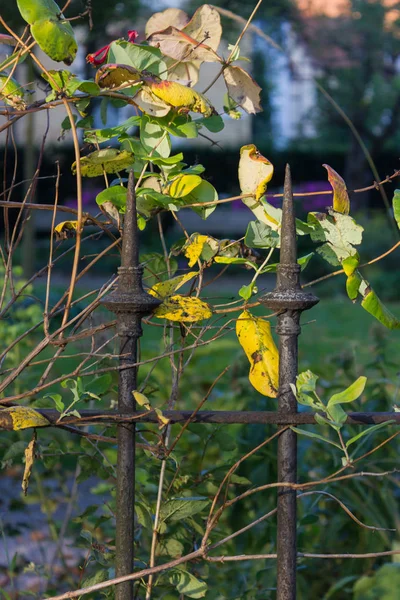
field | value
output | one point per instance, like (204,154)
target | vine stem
(229,59)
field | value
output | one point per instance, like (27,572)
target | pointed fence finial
(288,294)
(288,225)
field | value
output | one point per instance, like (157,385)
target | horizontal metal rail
(206,416)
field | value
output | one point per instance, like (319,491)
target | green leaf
(313,435)
(184,185)
(187,584)
(246,291)
(55,37)
(115,194)
(396,207)
(215,123)
(367,432)
(100,385)
(260,235)
(349,394)
(142,58)
(102,135)
(372,304)
(205,192)
(353,283)
(339,232)
(170,547)
(154,138)
(57,399)
(233,260)
(181,508)
(100,576)
(143,515)
(306,382)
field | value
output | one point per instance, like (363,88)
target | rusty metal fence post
(289,300)
(130,303)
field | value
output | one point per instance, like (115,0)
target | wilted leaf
(21,417)
(341,202)
(243,89)
(55,37)
(109,160)
(67,229)
(194,247)
(255,171)
(11,92)
(29,460)
(198,40)
(183,309)
(150,104)
(161,20)
(254,335)
(163,289)
(186,73)
(115,75)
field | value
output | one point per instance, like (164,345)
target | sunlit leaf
(21,417)
(183,309)
(339,232)
(115,75)
(198,40)
(204,193)
(150,104)
(55,37)
(349,394)
(179,96)
(254,335)
(163,289)
(161,20)
(154,138)
(65,229)
(243,89)
(109,160)
(255,171)
(372,304)
(341,202)
(194,247)
(183,185)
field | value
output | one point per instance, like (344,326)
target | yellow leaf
(29,460)
(21,417)
(341,201)
(11,92)
(109,160)
(255,171)
(183,309)
(141,399)
(254,335)
(166,288)
(181,97)
(113,75)
(194,247)
(183,185)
